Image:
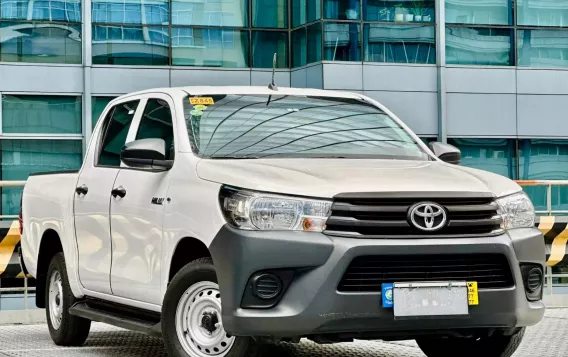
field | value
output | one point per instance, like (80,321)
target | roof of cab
(250,90)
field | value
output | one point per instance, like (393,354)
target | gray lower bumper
(312,304)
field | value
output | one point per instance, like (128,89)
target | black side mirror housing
(146,153)
(446,152)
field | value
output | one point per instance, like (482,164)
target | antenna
(272,85)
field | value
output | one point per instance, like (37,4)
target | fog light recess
(534,280)
(266,286)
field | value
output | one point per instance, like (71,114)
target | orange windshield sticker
(201,101)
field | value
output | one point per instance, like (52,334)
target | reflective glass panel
(299,48)
(543,159)
(265,44)
(154,12)
(98,105)
(210,13)
(400,44)
(115,130)
(542,13)
(130,45)
(41,114)
(342,9)
(210,47)
(305,11)
(40,42)
(342,41)
(270,13)
(488,12)
(43,10)
(479,46)
(20,158)
(157,123)
(314,42)
(542,48)
(494,155)
(399,11)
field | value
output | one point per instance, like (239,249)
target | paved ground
(548,339)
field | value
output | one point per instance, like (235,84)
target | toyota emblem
(428,216)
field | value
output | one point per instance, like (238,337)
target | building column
(87,63)
(441,68)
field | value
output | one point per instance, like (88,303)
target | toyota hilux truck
(224,218)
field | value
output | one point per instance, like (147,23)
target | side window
(156,123)
(115,132)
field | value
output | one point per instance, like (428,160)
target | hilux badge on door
(428,216)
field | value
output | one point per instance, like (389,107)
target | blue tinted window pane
(265,43)
(304,11)
(130,45)
(341,9)
(155,12)
(314,42)
(479,46)
(299,48)
(542,13)
(399,11)
(210,48)
(542,48)
(545,160)
(210,13)
(98,105)
(494,155)
(270,13)
(43,10)
(400,43)
(40,43)
(41,114)
(342,42)
(490,12)
(20,158)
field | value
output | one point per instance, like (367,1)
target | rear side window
(156,123)
(115,131)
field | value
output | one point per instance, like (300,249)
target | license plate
(430,299)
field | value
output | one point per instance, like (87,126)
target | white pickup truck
(222,218)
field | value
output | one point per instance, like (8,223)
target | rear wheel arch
(50,245)
(187,250)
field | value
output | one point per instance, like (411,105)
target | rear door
(136,218)
(92,197)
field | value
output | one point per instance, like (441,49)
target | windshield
(256,126)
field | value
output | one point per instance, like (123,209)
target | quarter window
(115,133)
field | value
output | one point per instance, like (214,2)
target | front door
(92,199)
(136,218)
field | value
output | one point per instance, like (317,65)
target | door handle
(119,191)
(81,190)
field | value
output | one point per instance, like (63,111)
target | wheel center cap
(57,300)
(209,321)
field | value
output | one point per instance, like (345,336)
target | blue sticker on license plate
(388,300)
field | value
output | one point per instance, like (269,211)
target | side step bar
(113,316)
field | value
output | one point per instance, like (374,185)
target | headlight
(516,210)
(258,211)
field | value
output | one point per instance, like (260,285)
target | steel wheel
(198,322)
(55,299)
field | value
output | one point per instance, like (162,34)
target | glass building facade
(435,54)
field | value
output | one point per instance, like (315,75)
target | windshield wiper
(232,157)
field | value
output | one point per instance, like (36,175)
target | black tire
(73,330)
(497,345)
(197,271)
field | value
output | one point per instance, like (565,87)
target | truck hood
(329,177)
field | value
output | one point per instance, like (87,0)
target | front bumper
(312,304)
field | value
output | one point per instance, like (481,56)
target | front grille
(385,215)
(368,273)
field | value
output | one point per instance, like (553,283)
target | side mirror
(446,152)
(146,153)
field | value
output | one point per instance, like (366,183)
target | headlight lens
(258,211)
(517,211)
